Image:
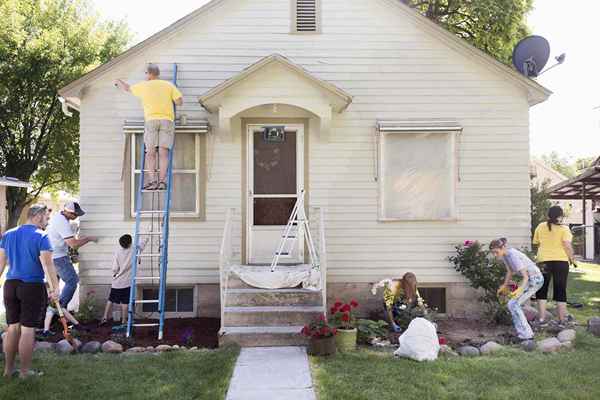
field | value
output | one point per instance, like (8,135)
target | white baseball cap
(74,207)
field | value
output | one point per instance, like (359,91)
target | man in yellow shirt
(157,98)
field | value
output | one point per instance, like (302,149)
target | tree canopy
(567,166)
(494,26)
(44,45)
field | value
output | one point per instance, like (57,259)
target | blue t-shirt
(23,246)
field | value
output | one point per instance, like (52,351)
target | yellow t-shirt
(551,242)
(157,98)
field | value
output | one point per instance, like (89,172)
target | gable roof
(536,92)
(344,97)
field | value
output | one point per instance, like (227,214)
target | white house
(406,138)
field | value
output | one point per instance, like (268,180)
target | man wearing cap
(157,98)
(61,236)
(28,252)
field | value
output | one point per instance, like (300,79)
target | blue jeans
(520,323)
(67,273)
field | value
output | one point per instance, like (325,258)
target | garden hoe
(63,320)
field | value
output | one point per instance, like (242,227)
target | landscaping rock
(490,347)
(91,347)
(549,345)
(528,345)
(43,346)
(468,351)
(163,347)
(137,350)
(194,348)
(567,345)
(594,326)
(568,335)
(63,347)
(111,347)
(149,348)
(176,347)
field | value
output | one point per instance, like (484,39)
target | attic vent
(306,16)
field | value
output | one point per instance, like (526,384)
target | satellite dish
(531,55)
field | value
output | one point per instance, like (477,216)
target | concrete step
(275,297)
(262,336)
(270,316)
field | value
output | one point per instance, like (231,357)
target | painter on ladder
(157,98)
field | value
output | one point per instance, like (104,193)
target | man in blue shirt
(28,253)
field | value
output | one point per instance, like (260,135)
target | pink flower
(469,243)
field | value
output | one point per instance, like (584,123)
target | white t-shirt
(58,230)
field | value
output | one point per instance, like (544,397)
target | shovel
(63,319)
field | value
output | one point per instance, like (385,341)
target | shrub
(88,310)
(407,312)
(369,330)
(484,273)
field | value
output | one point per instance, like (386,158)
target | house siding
(394,69)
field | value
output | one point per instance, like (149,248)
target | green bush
(88,309)
(485,273)
(369,330)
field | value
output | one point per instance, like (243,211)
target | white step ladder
(290,236)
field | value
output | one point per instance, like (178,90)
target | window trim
(201,179)
(380,165)
(294,25)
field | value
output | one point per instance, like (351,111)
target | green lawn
(171,376)
(514,374)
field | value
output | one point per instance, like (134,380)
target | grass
(512,374)
(176,375)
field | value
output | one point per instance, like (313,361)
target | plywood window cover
(416,127)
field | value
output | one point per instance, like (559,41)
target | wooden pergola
(584,187)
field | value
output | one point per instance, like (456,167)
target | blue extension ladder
(159,228)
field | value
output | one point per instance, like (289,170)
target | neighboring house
(408,138)
(540,172)
(6,182)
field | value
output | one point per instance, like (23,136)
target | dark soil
(459,331)
(189,332)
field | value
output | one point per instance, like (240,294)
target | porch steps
(254,317)
(263,336)
(271,316)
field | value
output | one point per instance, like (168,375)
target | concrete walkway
(265,373)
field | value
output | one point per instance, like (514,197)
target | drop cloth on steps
(283,276)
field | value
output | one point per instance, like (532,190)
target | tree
(494,26)
(566,165)
(44,45)
(540,204)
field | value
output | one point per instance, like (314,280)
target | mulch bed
(458,331)
(189,332)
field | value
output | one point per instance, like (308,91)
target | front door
(275,179)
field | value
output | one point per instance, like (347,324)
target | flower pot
(346,339)
(321,346)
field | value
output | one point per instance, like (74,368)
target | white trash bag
(419,342)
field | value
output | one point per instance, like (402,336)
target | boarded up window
(177,300)
(417,176)
(306,16)
(435,298)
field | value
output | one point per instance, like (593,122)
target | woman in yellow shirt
(398,293)
(555,253)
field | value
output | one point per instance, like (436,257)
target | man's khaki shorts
(159,133)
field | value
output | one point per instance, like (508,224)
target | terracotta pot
(321,346)
(346,339)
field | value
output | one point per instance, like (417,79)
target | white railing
(225,260)
(322,254)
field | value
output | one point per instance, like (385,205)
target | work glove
(515,294)
(396,328)
(502,290)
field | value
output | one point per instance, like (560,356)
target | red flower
(354,303)
(324,331)
(322,317)
(345,308)
(442,340)
(346,317)
(338,304)
(305,331)
(334,310)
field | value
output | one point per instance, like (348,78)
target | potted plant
(345,322)
(321,337)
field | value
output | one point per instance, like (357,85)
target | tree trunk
(16,200)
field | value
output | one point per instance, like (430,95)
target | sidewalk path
(265,373)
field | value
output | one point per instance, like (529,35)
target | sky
(567,123)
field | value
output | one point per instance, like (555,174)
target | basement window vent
(306,16)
